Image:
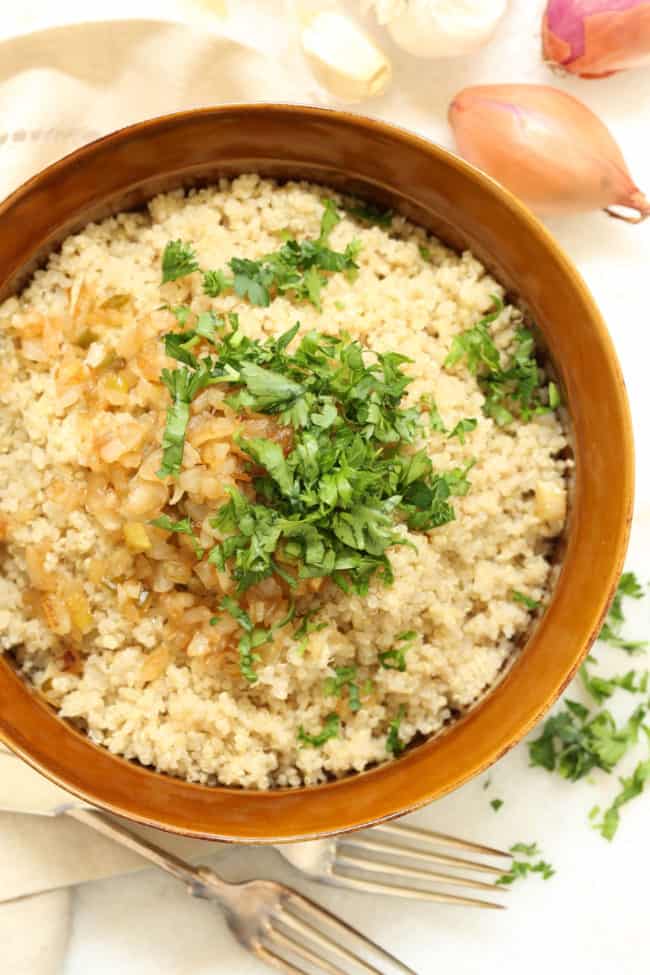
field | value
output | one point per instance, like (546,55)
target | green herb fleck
(463,427)
(183,527)
(394,745)
(331,729)
(345,678)
(602,688)
(395,658)
(178,260)
(496,804)
(573,742)
(522,868)
(372,214)
(628,587)
(521,597)
(425,253)
(632,786)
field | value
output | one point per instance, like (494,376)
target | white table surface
(592,916)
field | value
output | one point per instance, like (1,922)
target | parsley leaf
(496,804)
(602,688)
(345,678)
(522,868)
(632,786)
(183,385)
(178,260)
(183,526)
(372,214)
(628,587)
(521,597)
(513,388)
(331,729)
(394,745)
(329,220)
(395,659)
(573,742)
(463,427)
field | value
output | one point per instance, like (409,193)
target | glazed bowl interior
(467,210)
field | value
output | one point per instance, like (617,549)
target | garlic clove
(343,59)
(439,28)
(546,147)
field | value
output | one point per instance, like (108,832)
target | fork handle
(199,881)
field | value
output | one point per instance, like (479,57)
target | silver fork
(393,852)
(273,922)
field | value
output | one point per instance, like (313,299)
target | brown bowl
(468,210)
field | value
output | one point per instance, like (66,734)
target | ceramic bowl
(467,210)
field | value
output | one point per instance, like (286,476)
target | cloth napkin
(61,86)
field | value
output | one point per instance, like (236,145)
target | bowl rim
(390,807)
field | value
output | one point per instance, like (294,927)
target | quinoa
(113,621)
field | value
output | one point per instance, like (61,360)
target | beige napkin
(60,88)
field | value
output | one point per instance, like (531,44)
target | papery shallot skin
(545,146)
(596,38)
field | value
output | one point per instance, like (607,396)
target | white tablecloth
(591,916)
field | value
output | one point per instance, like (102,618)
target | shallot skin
(596,38)
(545,146)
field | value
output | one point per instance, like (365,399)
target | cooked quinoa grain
(117,621)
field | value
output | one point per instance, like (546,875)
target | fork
(270,920)
(348,860)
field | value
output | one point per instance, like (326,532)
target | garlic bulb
(438,28)
(343,59)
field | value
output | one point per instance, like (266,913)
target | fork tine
(414,832)
(322,939)
(322,914)
(286,966)
(414,893)
(428,856)
(305,952)
(402,870)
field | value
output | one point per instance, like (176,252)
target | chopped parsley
(370,213)
(331,729)
(521,597)
(424,252)
(628,587)
(602,688)
(511,389)
(394,745)
(345,679)
(463,427)
(435,420)
(632,786)
(182,527)
(333,504)
(522,868)
(395,659)
(573,742)
(300,269)
(178,260)
(496,804)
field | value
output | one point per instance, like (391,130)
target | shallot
(545,146)
(438,28)
(596,38)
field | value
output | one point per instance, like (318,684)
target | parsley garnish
(395,659)
(510,389)
(496,804)
(372,214)
(394,744)
(632,786)
(574,742)
(628,587)
(331,729)
(521,597)
(463,427)
(183,527)
(299,268)
(602,688)
(522,868)
(178,260)
(345,678)
(183,385)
